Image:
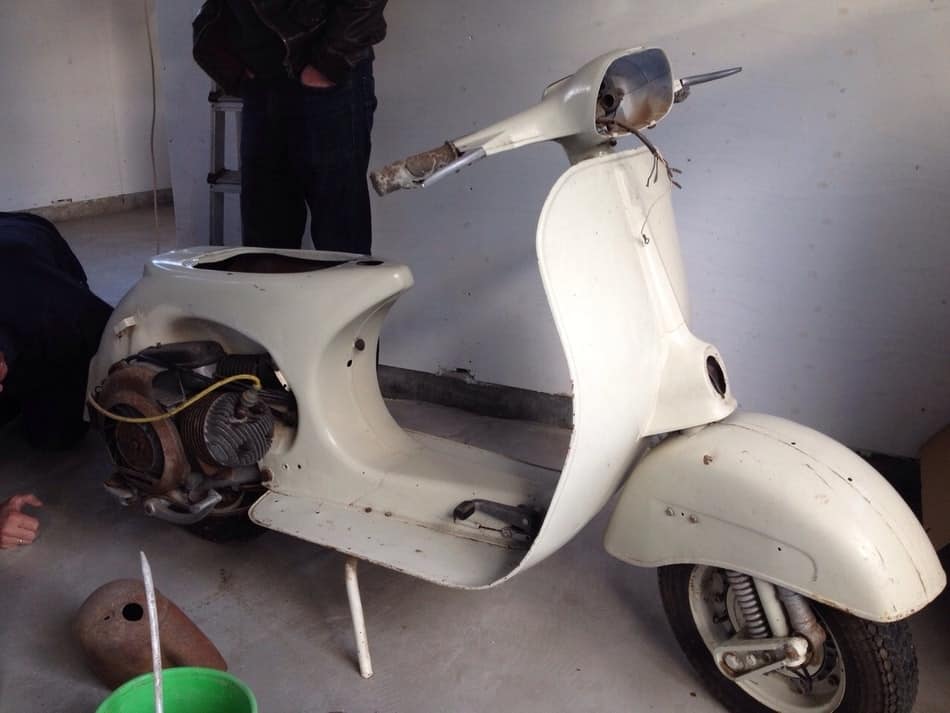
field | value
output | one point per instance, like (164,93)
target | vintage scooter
(234,381)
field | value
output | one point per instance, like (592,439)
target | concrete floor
(113,248)
(580,632)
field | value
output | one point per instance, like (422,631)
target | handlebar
(413,170)
(636,89)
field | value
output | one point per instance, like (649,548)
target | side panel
(308,322)
(782,502)
(348,476)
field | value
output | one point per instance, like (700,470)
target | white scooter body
(757,494)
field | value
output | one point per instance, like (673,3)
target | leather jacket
(331,35)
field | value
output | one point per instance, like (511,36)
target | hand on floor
(16,527)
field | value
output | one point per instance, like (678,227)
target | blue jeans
(303,147)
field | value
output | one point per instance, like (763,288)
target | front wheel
(865,667)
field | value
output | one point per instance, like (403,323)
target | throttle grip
(412,170)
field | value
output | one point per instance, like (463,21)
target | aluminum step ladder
(222,180)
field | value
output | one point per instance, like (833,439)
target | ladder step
(221,181)
(225,102)
(225,181)
(228,104)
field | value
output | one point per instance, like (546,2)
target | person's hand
(310,76)
(16,527)
(3,370)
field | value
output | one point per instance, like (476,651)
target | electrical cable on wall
(151,141)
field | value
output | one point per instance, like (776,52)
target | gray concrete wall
(813,213)
(77,102)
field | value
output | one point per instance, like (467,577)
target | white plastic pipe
(356,612)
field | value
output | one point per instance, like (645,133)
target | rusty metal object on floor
(112,628)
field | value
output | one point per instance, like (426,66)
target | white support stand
(356,612)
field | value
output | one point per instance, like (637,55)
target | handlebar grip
(411,171)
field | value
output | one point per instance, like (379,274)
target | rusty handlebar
(410,172)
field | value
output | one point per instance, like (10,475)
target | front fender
(784,503)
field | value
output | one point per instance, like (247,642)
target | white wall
(76,102)
(813,215)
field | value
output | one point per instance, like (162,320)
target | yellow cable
(180,407)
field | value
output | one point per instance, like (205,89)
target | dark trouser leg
(53,405)
(273,209)
(330,145)
(50,385)
(9,406)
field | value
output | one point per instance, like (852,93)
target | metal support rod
(803,620)
(466,159)
(356,612)
(774,613)
(152,607)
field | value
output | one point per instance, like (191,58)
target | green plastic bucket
(185,690)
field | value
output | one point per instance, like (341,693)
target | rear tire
(230,528)
(879,661)
(229,522)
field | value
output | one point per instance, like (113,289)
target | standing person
(304,69)
(50,325)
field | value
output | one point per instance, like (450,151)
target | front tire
(866,667)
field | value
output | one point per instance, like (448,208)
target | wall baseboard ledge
(70,210)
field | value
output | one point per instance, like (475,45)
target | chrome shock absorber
(748,603)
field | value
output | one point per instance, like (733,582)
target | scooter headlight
(637,90)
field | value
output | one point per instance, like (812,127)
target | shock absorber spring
(756,626)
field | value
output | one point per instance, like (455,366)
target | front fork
(768,615)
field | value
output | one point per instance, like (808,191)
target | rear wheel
(864,667)
(229,521)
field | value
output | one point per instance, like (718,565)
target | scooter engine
(201,464)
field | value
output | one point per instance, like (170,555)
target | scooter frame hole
(717,377)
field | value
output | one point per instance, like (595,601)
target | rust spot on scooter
(403,174)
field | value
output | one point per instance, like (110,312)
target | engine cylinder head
(226,431)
